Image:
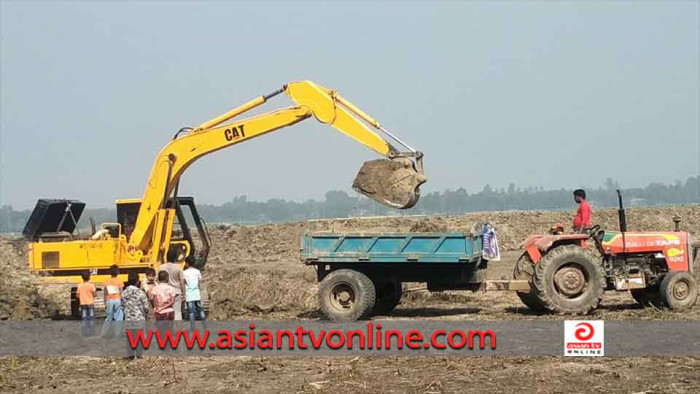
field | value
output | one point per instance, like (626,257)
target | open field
(254,273)
(352,375)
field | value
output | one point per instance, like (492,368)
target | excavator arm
(394,182)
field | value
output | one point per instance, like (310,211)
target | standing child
(163,298)
(113,295)
(150,282)
(135,304)
(86,296)
(193,280)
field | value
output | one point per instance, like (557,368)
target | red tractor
(567,276)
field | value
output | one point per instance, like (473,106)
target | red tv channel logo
(584,338)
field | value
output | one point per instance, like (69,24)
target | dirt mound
(20,297)
(246,291)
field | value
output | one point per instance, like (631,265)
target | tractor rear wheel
(569,280)
(388,296)
(524,270)
(346,295)
(679,290)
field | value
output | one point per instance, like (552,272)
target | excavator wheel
(524,270)
(393,182)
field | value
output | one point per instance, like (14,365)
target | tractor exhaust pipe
(622,218)
(621,213)
(676,223)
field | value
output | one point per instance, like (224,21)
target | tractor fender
(537,245)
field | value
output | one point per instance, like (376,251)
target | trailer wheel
(524,270)
(388,296)
(569,280)
(346,295)
(649,296)
(679,290)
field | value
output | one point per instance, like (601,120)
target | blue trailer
(360,274)
(391,248)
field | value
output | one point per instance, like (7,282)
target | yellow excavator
(147,228)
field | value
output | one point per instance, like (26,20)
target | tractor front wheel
(679,290)
(569,280)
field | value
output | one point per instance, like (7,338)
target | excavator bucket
(394,182)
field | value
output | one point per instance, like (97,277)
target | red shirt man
(583,215)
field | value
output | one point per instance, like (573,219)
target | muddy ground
(352,375)
(254,272)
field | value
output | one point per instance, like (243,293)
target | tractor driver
(582,221)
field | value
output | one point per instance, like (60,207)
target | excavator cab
(196,245)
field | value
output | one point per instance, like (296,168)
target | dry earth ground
(254,273)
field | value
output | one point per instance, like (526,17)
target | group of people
(159,297)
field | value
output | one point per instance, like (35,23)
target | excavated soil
(21,298)
(391,182)
(254,272)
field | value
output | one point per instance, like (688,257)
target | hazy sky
(553,95)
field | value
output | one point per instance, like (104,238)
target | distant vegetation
(341,204)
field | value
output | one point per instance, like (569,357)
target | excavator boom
(393,181)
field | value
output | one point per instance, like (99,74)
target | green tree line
(339,204)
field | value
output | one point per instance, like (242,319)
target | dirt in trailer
(254,272)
